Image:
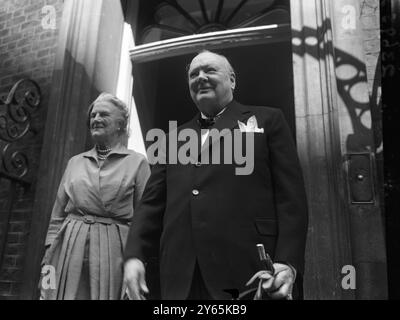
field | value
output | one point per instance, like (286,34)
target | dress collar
(118,149)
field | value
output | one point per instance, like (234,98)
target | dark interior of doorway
(264,77)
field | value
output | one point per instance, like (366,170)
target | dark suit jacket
(221,225)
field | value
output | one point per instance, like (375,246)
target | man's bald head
(224,60)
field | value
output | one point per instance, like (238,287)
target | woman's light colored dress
(89,222)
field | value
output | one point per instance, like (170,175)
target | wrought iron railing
(16,112)
(16,115)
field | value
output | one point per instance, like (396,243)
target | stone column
(87,63)
(357,144)
(319,150)
(338,235)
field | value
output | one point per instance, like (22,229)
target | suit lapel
(229,120)
(193,125)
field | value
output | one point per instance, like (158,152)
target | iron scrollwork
(16,111)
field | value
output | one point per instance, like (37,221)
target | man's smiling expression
(211,82)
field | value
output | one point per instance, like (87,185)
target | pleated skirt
(67,253)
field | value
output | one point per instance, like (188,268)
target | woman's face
(105,121)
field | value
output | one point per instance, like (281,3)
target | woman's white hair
(118,103)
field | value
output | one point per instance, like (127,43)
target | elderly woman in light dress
(95,202)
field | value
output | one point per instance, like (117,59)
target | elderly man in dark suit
(206,219)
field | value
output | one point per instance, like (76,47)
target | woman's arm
(143,174)
(58,212)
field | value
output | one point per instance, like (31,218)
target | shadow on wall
(364,137)
(355,80)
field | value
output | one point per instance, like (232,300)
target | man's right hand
(134,279)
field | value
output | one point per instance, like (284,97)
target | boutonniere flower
(250,126)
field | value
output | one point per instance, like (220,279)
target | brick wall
(27,50)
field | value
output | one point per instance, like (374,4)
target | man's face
(210,81)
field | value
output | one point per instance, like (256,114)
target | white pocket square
(251,126)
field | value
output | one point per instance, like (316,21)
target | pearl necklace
(102,154)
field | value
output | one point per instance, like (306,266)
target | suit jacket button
(195,192)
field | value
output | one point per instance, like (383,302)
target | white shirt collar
(205,117)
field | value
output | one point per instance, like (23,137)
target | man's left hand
(279,285)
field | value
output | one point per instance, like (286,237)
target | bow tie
(206,123)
